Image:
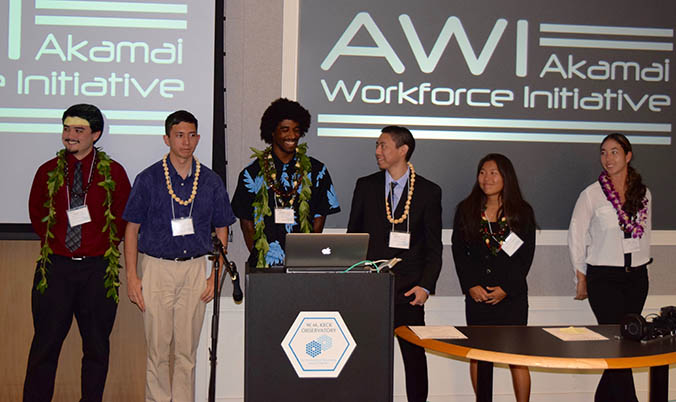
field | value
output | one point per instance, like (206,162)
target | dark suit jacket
(475,264)
(421,263)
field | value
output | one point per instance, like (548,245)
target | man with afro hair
(283,190)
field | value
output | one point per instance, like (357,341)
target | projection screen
(137,61)
(541,82)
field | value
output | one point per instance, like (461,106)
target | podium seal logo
(318,344)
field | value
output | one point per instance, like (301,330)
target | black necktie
(74,234)
(390,196)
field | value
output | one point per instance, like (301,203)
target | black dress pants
(612,293)
(74,288)
(415,361)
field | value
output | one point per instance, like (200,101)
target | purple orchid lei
(635,225)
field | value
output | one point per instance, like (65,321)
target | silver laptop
(324,252)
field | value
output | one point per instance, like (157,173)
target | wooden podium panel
(365,303)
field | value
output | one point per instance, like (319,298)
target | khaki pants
(171,292)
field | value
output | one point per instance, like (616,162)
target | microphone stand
(237,296)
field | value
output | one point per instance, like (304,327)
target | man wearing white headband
(75,206)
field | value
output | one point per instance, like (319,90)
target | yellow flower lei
(170,188)
(407,206)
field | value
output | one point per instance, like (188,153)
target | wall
(126,376)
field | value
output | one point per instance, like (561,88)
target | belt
(628,268)
(179,259)
(625,269)
(632,269)
(80,257)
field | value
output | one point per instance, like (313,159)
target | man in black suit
(404,221)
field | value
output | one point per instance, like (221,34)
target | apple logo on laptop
(326,251)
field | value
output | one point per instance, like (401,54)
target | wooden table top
(534,347)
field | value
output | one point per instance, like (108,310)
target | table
(534,347)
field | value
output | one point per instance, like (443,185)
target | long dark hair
(635,189)
(518,212)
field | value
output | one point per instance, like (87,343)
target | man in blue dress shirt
(173,206)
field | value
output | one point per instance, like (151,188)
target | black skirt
(510,311)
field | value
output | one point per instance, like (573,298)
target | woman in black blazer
(493,246)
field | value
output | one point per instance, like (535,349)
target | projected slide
(137,61)
(541,82)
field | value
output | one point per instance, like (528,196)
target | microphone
(237,294)
(230,268)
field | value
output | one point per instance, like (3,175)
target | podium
(364,302)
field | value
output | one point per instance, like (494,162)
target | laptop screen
(324,251)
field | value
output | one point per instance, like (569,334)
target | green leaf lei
(55,180)
(261,206)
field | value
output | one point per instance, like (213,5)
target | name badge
(284,215)
(400,240)
(630,245)
(78,216)
(511,244)
(182,226)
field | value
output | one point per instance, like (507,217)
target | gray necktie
(74,234)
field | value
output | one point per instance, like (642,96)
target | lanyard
(89,180)
(408,221)
(173,214)
(279,203)
(490,229)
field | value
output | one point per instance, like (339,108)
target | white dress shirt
(595,237)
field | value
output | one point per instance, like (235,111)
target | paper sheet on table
(576,334)
(437,332)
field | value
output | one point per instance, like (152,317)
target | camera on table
(637,328)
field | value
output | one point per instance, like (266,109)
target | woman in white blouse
(609,243)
